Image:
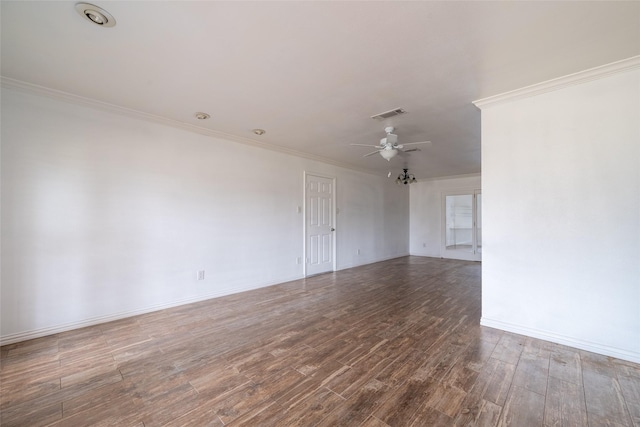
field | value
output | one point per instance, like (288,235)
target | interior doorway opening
(462,225)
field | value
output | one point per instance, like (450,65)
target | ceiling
(313,73)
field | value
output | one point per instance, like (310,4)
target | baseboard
(42,332)
(426,254)
(564,340)
(372,261)
(37,333)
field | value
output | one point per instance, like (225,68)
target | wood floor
(396,343)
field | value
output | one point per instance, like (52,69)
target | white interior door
(319,224)
(462,225)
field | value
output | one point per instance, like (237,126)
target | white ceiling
(312,73)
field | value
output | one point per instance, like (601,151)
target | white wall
(426,212)
(561,195)
(105,216)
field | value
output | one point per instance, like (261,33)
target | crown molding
(561,82)
(19,85)
(462,176)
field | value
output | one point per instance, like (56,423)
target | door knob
(333,229)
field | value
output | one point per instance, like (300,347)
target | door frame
(334,218)
(453,254)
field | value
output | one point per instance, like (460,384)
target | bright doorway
(462,225)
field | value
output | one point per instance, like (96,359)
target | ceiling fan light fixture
(388,154)
(95,14)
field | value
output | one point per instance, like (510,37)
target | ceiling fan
(389,146)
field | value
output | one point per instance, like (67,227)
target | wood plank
(34,347)
(30,415)
(478,352)
(488,414)
(17,394)
(532,371)
(500,383)
(604,399)
(447,399)
(428,416)
(597,363)
(522,408)
(356,409)
(630,387)
(399,408)
(374,422)
(565,365)
(347,380)
(92,377)
(565,404)
(268,414)
(311,410)
(490,383)
(386,344)
(115,394)
(509,348)
(484,414)
(123,414)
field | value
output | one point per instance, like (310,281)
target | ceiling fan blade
(411,150)
(414,143)
(371,154)
(366,145)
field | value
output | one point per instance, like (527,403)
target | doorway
(462,225)
(319,232)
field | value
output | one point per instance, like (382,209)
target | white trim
(373,261)
(9,83)
(561,82)
(51,330)
(561,339)
(438,178)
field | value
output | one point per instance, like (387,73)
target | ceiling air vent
(390,113)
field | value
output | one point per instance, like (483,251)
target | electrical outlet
(424,245)
(299,260)
(358,252)
(200,274)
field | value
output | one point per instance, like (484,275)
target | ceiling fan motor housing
(390,139)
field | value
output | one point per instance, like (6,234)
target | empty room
(326,213)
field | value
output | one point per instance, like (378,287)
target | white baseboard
(55,329)
(564,340)
(427,254)
(51,330)
(37,333)
(371,261)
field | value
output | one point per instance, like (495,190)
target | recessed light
(202,116)
(259,132)
(95,14)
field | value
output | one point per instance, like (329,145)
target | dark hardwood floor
(397,343)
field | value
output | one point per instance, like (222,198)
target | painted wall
(105,216)
(561,194)
(426,212)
